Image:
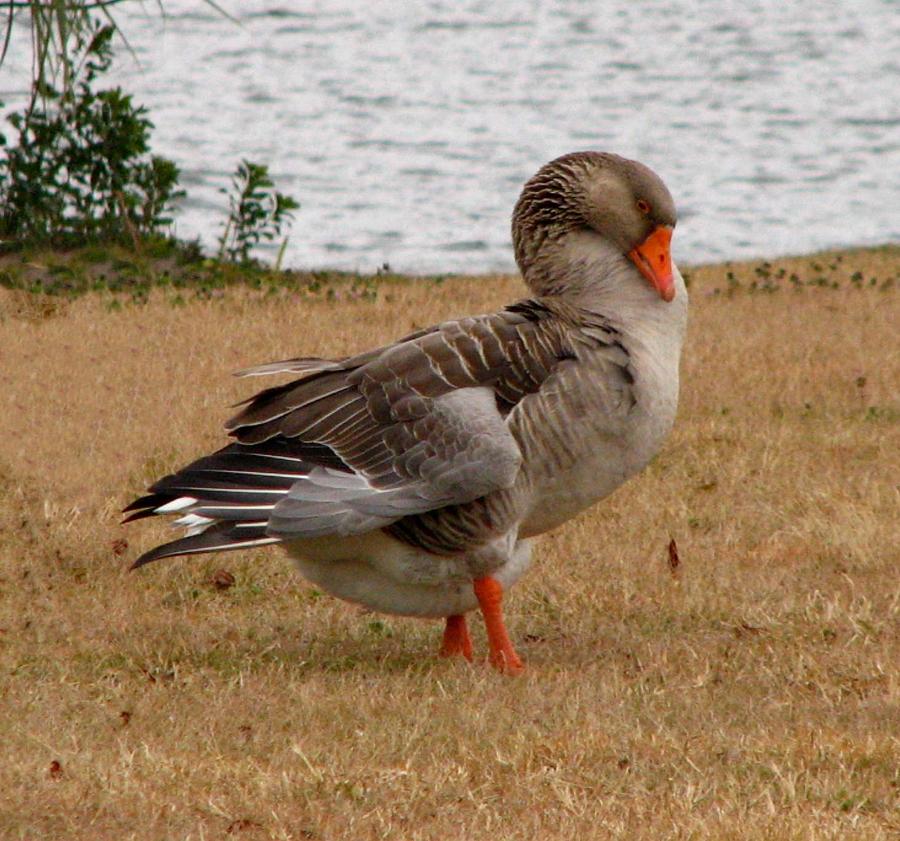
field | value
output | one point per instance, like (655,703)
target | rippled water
(407,129)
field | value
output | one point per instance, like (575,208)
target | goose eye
(643,206)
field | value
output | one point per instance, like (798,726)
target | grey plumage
(466,436)
(379,437)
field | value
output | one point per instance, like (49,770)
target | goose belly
(383,574)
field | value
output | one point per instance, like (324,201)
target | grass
(750,691)
(174,268)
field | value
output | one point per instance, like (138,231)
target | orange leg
(502,656)
(456,638)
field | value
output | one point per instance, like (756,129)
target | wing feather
(363,442)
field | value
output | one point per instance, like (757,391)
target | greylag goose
(412,478)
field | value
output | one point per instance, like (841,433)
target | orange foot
(489,593)
(456,638)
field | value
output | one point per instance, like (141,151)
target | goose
(412,479)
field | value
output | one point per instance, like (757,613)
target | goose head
(593,205)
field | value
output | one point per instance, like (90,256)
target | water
(407,129)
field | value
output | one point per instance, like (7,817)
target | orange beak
(654,261)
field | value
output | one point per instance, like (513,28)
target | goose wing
(358,443)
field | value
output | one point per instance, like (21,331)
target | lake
(406,130)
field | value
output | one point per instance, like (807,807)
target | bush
(80,170)
(256,212)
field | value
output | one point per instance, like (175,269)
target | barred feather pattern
(552,202)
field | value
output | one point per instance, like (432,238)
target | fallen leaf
(674,560)
(222,579)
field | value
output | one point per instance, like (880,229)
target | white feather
(176,505)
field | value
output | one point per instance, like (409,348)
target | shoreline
(181,268)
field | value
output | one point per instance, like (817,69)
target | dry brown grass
(754,693)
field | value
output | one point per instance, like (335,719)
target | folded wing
(358,443)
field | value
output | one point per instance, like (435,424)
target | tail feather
(225,500)
(218,538)
(144,506)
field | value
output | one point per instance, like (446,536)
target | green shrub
(257,212)
(80,169)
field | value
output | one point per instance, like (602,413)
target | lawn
(749,691)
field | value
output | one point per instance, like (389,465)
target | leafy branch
(256,212)
(80,169)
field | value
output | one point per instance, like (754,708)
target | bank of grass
(750,692)
(177,270)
